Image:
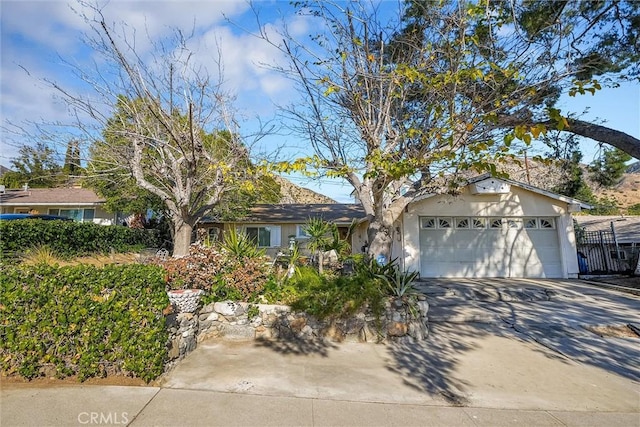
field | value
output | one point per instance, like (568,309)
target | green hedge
(68,238)
(83,320)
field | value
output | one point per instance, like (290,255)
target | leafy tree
(610,167)
(605,206)
(36,166)
(634,209)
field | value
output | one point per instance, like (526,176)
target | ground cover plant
(83,321)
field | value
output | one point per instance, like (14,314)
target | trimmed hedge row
(83,321)
(68,238)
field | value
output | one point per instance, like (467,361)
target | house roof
(627,228)
(50,196)
(300,213)
(531,188)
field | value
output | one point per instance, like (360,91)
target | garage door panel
(504,252)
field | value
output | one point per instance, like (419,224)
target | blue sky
(35,34)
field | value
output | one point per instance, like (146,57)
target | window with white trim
(530,223)
(300,233)
(547,223)
(444,222)
(462,222)
(479,222)
(514,223)
(495,223)
(428,222)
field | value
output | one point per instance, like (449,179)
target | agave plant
(240,245)
(400,283)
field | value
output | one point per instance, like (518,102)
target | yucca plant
(240,245)
(318,231)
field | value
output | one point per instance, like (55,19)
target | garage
(489,247)
(491,228)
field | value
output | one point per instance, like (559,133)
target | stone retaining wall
(402,320)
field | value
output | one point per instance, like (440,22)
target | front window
(300,233)
(80,215)
(264,236)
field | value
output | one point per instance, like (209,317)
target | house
(608,244)
(493,228)
(81,204)
(274,226)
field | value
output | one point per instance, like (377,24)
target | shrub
(68,239)
(83,320)
(339,296)
(197,270)
(248,276)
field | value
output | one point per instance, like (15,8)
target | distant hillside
(292,193)
(548,176)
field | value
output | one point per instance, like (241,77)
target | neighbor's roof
(627,228)
(50,196)
(300,213)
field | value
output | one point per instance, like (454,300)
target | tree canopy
(408,104)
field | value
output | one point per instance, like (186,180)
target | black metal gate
(600,253)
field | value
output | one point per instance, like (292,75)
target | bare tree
(165,124)
(384,113)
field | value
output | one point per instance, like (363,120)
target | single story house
(493,228)
(274,226)
(81,204)
(608,244)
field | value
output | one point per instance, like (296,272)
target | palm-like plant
(318,231)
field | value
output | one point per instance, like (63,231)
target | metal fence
(600,253)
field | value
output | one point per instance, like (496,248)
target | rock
(238,332)
(298,323)
(207,308)
(213,317)
(174,350)
(228,308)
(263,333)
(423,306)
(307,330)
(397,329)
(269,320)
(334,333)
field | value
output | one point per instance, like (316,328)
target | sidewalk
(152,406)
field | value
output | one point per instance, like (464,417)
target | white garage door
(489,247)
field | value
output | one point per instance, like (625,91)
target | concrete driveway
(509,344)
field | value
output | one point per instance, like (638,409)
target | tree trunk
(380,240)
(181,237)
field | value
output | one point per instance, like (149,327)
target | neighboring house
(274,226)
(81,204)
(608,244)
(493,228)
